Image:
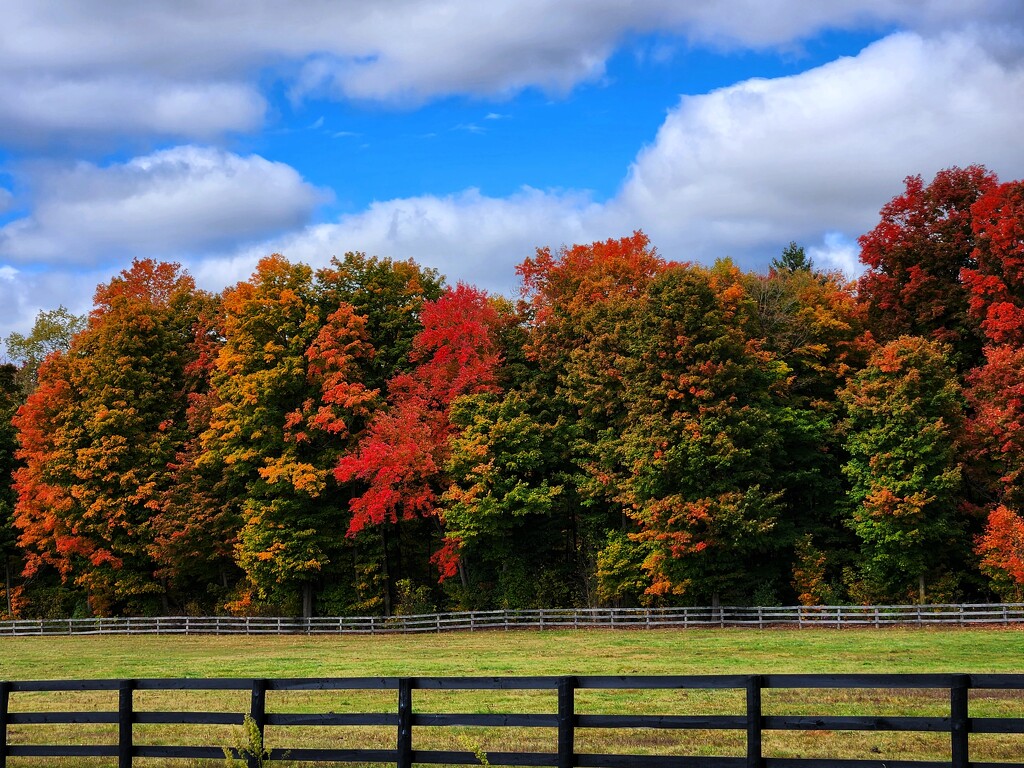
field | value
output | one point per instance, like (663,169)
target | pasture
(524,653)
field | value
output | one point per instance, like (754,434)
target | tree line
(629,430)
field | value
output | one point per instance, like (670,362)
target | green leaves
(904,415)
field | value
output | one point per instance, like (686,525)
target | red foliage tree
(996,281)
(403,451)
(915,255)
(995,448)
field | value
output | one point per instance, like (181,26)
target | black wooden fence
(566,721)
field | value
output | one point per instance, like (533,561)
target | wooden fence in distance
(543,619)
(564,720)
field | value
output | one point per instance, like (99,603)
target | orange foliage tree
(99,432)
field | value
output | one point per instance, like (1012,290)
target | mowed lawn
(494,653)
(591,652)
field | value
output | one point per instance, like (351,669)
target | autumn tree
(390,296)
(701,440)
(400,458)
(914,259)
(810,322)
(289,390)
(994,456)
(98,433)
(995,436)
(903,418)
(581,304)
(1001,549)
(995,279)
(195,520)
(527,525)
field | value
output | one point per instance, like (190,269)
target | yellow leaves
(268,555)
(303,477)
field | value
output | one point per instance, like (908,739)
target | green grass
(532,653)
(595,652)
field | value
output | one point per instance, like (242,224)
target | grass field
(532,653)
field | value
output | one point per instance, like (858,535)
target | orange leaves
(1001,549)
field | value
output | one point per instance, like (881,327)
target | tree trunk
(920,588)
(387,569)
(307,599)
(7,586)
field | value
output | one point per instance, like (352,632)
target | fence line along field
(761,617)
(527,653)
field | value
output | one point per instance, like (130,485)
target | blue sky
(466,134)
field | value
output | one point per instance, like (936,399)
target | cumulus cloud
(468,237)
(170,203)
(23,294)
(767,161)
(58,58)
(35,110)
(837,252)
(738,172)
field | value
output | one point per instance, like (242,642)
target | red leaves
(915,255)
(996,282)
(401,454)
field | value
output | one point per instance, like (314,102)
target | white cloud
(194,66)
(837,252)
(170,203)
(23,294)
(6,199)
(34,110)
(738,172)
(768,161)
(467,237)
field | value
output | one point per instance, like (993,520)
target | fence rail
(565,719)
(546,618)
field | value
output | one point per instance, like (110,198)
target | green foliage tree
(701,442)
(904,416)
(52,332)
(793,258)
(10,399)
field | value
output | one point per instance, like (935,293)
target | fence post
(124,723)
(404,723)
(754,722)
(258,713)
(566,722)
(5,693)
(959,724)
